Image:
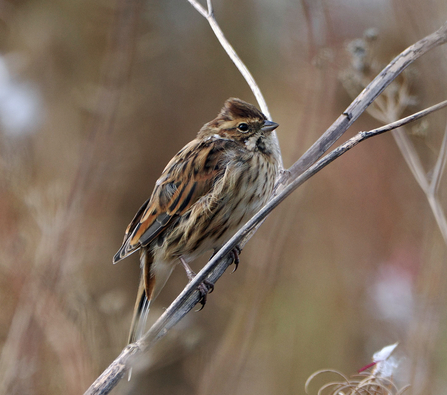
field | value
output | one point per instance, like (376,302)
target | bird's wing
(189,175)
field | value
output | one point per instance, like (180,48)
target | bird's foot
(236,251)
(205,287)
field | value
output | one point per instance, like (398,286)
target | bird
(205,194)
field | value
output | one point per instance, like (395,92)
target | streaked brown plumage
(205,194)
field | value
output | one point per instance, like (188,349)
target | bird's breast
(245,187)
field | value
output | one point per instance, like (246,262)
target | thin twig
(210,7)
(410,118)
(209,15)
(199,8)
(411,158)
(365,98)
(439,166)
(388,108)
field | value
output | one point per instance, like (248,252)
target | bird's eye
(243,127)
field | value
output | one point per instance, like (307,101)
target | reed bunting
(206,193)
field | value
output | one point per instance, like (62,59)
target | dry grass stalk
(387,108)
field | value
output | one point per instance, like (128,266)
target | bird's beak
(269,126)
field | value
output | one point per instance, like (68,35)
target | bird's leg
(189,272)
(204,288)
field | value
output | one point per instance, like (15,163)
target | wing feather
(190,175)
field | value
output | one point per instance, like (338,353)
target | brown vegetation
(351,262)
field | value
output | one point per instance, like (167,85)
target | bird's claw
(236,252)
(205,288)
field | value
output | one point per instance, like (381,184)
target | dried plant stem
(209,15)
(388,108)
(388,111)
(411,157)
(440,165)
(406,120)
(365,98)
(432,190)
(430,187)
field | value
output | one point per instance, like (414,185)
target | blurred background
(96,97)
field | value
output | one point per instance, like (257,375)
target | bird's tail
(144,297)
(153,278)
(140,313)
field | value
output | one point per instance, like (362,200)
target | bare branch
(240,65)
(209,4)
(404,121)
(199,8)
(209,15)
(114,373)
(388,108)
(411,158)
(365,98)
